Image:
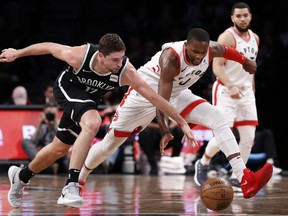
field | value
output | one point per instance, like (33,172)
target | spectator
(44,134)
(48,93)
(19,96)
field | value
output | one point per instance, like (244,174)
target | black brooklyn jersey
(94,83)
(82,90)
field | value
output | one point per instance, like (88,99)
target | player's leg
(246,134)
(99,152)
(132,115)
(226,105)
(90,122)
(246,121)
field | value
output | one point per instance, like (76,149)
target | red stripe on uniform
(127,134)
(191,107)
(247,122)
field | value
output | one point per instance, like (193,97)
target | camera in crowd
(50,116)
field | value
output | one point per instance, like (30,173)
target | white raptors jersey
(237,75)
(188,73)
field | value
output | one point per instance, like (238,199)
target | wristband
(234,55)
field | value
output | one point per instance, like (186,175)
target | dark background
(144,26)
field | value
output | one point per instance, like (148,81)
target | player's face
(196,51)
(241,19)
(113,62)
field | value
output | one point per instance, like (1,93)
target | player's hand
(8,55)
(166,138)
(189,136)
(250,66)
(234,92)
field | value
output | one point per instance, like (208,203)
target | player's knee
(220,123)
(90,126)
(110,144)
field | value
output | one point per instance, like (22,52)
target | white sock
(84,173)
(238,166)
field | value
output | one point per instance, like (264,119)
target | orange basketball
(216,194)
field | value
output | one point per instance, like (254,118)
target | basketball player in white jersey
(171,71)
(233,91)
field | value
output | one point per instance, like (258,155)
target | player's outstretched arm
(70,55)
(220,50)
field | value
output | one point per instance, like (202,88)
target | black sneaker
(235,185)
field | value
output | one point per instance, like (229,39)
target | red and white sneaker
(252,182)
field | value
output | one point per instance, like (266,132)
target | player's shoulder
(226,38)
(129,67)
(256,36)
(227,34)
(172,44)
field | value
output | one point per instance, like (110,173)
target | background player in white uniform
(233,91)
(170,72)
(91,71)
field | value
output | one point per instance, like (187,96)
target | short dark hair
(111,42)
(198,34)
(49,84)
(240,5)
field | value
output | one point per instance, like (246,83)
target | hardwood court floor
(140,195)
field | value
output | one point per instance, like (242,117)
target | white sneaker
(17,187)
(70,195)
(276,170)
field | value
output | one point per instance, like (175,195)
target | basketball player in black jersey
(91,71)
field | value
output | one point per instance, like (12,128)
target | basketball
(216,194)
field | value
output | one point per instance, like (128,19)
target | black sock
(73,175)
(25,174)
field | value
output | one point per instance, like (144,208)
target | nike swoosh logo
(244,183)
(63,195)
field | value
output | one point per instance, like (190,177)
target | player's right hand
(189,136)
(8,55)
(164,141)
